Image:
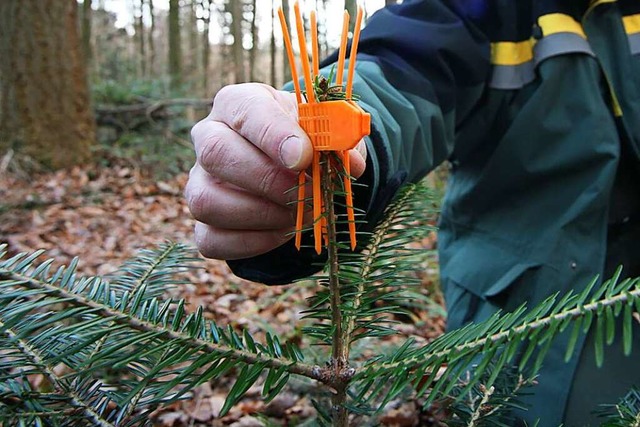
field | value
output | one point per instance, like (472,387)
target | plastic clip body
(334,125)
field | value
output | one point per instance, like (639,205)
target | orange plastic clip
(331,125)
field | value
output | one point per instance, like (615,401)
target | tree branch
(122,318)
(36,359)
(504,335)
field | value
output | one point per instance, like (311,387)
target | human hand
(249,151)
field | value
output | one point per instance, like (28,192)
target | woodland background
(96,102)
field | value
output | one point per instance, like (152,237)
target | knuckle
(241,113)
(208,250)
(206,243)
(195,131)
(223,96)
(269,132)
(192,173)
(213,152)
(278,216)
(198,201)
(266,213)
(268,179)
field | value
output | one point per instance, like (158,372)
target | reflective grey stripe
(509,77)
(560,44)
(512,76)
(634,43)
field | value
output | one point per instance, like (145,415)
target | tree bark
(206,47)
(193,48)
(224,56)
(272,50)
(238,51)
(352,8)
(321,7)
(140,36)
(86,32)
(175,46)
(44,98)
(150,35)
(254,42)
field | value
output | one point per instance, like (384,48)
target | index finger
(268,119)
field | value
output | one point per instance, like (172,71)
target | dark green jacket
(533,103)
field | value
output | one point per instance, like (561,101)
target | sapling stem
(340,346)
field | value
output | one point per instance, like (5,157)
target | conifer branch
(486,395)
(372,249)
(121,318)
(146,273)
(625,413)
(136,278)
(37,361)
(497,340)
(519,331)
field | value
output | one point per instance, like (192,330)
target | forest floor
(104,215)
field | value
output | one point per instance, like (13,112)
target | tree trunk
(272,50)
(140,36)
(150,35)
(224,57)
(321,7)
(206,47)
(44,98)
(86,32)
(175,47)
(193,48)
(254,42)
(352,8)
(236,31)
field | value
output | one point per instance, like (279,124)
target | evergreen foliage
(114,349)
(123,349)
(626,413)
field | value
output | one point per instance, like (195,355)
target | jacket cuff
(280,266)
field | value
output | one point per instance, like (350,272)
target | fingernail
(291,152)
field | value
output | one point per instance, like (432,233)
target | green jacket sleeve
(421,69)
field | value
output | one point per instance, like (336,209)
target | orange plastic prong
(302,42)
(342,53)
(317,202)
(354,50)
(292,63)
(315,55)
(351,218)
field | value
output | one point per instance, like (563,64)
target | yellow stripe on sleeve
(560,23)
(631,24)
(511,53)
